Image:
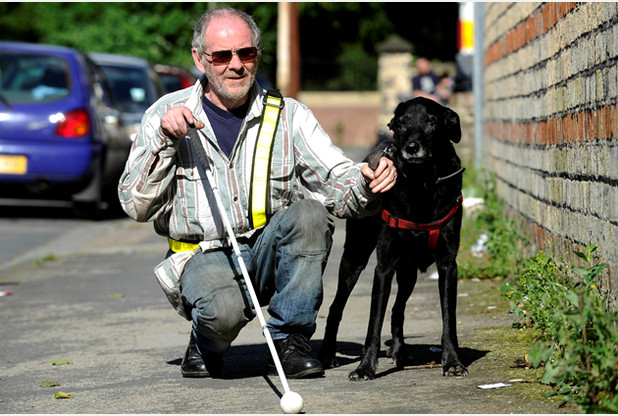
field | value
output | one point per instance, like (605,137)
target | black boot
(295,359)
(194,365)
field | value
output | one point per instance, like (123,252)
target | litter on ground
(493,386)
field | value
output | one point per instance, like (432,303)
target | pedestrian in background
(428,84)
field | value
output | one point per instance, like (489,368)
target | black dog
(419,224)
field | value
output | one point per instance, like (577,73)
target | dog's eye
(431,122)
(400,131)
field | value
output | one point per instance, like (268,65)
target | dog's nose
(412,147)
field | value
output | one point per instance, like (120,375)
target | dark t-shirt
(426,83)
(225,124)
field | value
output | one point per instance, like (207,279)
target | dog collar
(440,179)
(450,176)
(432,227)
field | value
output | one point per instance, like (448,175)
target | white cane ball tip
(291,402)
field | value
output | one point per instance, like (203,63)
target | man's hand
(383,178)
(176,122)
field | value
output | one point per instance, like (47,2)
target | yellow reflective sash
(273,103)
(178,246)
(258,196)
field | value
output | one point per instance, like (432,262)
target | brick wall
(550,121)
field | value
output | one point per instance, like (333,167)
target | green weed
(47,258)
(533,296)
(579,337)
(504,241)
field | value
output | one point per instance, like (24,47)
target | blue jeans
(285,262)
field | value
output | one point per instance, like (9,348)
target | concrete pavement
(98,305)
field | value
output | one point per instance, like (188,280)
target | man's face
(229,83)
(423,66)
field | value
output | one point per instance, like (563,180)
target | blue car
(61,135)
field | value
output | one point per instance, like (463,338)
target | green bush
(579,337)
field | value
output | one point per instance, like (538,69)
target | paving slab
(96,303)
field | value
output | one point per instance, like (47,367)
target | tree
(337,48)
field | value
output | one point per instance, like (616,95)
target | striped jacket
(162,179)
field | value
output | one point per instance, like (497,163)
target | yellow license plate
(13,164)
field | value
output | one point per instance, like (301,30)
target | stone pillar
(394,77)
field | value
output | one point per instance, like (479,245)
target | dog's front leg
(382,280)
(360,241)
(406,280)
(349,273)
(451,364)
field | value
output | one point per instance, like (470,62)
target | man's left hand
(383,178)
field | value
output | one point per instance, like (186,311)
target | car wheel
(89,203)
(87,210)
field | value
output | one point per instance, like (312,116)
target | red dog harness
(432,227)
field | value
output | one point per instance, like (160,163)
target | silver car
(134,83)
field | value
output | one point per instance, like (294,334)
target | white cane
(291,402)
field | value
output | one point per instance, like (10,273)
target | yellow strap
(261,160)
(177,246)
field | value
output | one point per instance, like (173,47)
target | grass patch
(506,348)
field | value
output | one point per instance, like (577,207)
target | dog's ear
(399,111)
(391,124)
(453,126)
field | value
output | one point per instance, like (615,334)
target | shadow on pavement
(241,361)
(58,210)
(247,361)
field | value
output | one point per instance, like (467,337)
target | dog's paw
(360,375)
(456,370)
(327,355)
(400,356)
(328,361)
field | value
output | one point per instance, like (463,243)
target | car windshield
(27,78)
(171,82)
(130,88)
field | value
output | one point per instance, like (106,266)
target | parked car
(135,85)
(175,78)
(60,133)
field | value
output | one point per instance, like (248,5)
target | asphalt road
(84,292)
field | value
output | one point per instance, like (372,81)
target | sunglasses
(224,57)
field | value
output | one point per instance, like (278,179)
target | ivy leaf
(62,362)
(62,395)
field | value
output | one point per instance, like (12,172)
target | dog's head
(421,127)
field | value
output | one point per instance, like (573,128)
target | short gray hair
(202,25)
